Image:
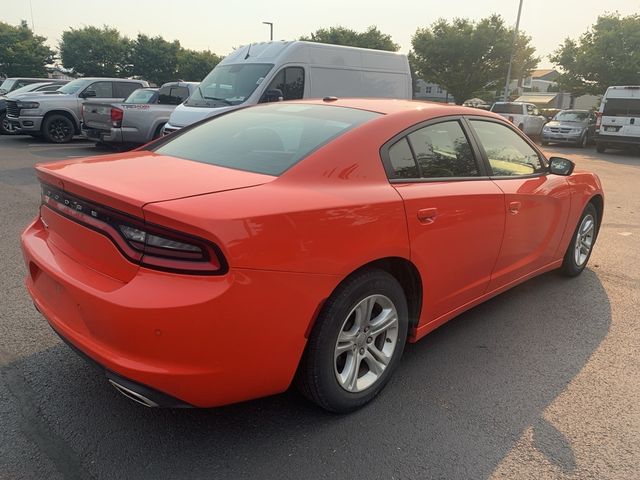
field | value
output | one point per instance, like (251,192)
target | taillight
(149,245)
(116,117)
(598,120)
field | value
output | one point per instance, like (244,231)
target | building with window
(433,92)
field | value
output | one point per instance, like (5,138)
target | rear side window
(402,162)
(172,95)
(442,150)
(508,154)
(124,89)
(622,107)
(268,139)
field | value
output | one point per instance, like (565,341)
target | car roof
(396,108)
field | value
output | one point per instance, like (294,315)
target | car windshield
(513,108)
(229,85)
(75,86)
(569,116)
(141,96)
(266,139)
(7,85)
(622,107)
(27,88)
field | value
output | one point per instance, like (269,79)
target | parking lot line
(64,145)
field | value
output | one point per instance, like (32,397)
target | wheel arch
(598,202)
(407,275)
(65,113)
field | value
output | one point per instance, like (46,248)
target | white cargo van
(271,71)
(618,121)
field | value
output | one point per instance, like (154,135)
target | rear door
(621,113)
(536,203)
(455,213)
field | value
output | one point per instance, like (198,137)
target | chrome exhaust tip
(131,395)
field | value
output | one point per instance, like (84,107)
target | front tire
(58,129)
(600,147)
(581,245)
(582,143)
(356,342)
(5,126)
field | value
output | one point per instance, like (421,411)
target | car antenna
(248,50)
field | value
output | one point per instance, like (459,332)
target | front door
(455,213)
(537,203)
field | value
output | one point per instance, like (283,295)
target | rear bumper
(617,139)
(114,135)
(26,124)
(207,341)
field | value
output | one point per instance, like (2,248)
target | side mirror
(88,94)
(273,95)
(561,166)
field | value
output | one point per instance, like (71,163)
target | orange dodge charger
(298,241)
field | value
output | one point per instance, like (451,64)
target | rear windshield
(507,108)
(265,139)
(141,96)
(622,107)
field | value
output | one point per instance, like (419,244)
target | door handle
(427,215)
(514,207)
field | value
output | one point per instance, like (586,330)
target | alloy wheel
(366,343)
(59,130)
(584,240)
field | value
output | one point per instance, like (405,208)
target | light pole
(513,47)
(270,29)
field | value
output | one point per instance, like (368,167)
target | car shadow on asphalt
(460,401)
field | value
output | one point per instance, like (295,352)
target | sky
(222,25)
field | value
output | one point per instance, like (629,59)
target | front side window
(290,81)
(74,86)
(229,85)
(508,153)
(442,150)
(267,139)
(102,89)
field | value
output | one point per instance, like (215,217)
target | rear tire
(582,242)
(350,357)
(58,129)
(600,147)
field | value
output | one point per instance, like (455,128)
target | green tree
(607,54)
(22,54)
(92,51)
(464,56)
(155,59)
(370,38)
(194,66)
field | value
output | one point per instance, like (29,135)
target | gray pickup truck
(56,115)
(139,119)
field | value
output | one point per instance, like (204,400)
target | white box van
(618,122)
(269,71)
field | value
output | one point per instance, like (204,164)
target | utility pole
(33,28)
(270,29)
(513,47)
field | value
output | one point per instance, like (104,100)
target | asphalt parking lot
(540,382)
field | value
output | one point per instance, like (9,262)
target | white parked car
(524,115)
(618,122)
(272,71)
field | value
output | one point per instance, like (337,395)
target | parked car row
(16,87)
